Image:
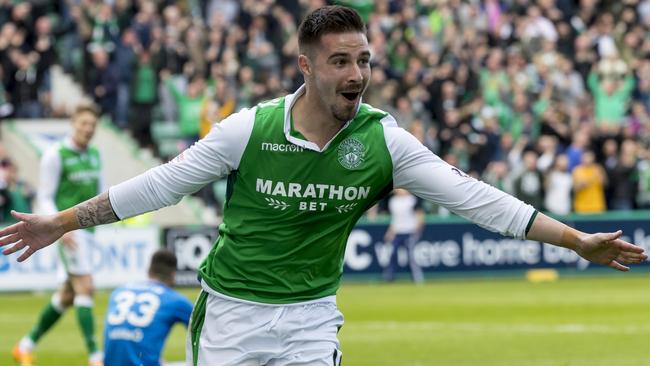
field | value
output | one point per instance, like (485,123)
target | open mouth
(351,96)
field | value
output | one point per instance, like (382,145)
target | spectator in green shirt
(144,95)
(189,104)
(611,86)
(494,81)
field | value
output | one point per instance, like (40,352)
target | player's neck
(313,120)
(167,283)
(77,145)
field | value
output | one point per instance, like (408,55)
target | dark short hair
(163,265)
(325,20)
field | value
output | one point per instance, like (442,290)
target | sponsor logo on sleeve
(459,173)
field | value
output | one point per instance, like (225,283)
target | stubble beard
(343,114)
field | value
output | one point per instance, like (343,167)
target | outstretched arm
(427,176)
(602,248)
(214,156)
(38,231)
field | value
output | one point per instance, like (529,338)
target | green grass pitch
(504,322)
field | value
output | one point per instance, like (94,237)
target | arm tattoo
(96,211)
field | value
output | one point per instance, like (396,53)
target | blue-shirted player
(140,315)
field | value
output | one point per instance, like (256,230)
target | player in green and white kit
(301,170)
(70,173)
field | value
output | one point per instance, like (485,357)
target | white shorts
(77,261)
(228,332)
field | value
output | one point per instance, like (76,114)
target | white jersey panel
(211,158)
(424,174)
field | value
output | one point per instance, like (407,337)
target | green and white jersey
(291,205)
(68,176)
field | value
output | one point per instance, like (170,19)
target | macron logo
(267,146)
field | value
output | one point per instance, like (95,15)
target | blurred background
(548,100)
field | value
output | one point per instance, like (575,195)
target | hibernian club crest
(351,153)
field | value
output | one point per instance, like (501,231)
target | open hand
(609,250)
(33,232)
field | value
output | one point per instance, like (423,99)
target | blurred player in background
(406,223)
(70,173)
(302,170)
(140,315)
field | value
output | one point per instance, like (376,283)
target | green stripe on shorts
(196,325)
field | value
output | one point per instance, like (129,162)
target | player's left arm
(423,173)
(602,248)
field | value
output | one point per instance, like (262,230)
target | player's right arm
(213,157)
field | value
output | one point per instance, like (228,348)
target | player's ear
(304,63)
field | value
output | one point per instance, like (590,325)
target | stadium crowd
(546,99)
